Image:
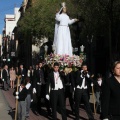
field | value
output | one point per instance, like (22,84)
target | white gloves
(74,89)
(34,90)
(28,86)
(31,100)
(91,84)
(106,119)
(17,97)
(88,76)
(47,97)
(3,80)
(17,93)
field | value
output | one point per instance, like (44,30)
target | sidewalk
(4,108)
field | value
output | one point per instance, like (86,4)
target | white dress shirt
(83,86)
(99,82)
(58,81)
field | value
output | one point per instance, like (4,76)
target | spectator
(5,77)
(12,77)
(110,103)
(22,72)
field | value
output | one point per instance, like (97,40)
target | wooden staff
(18,82)
(93,96)
(93,100)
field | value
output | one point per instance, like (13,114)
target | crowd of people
(55,85)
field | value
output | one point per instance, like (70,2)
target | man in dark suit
(82,82)
(55,87)
(37,84)
(5,77)
(22,72)
(69,87)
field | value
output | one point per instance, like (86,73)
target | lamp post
(82,47)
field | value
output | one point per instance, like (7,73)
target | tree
(40,18)
(100,18)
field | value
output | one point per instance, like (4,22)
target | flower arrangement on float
(73,62)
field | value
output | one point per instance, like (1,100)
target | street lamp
(4,59)
(82,48)
(82,52)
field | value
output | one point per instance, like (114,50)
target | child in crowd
(21,96)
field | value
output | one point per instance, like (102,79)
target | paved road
(4,108)
(34,115)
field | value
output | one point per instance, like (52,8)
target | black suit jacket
(97,87)
(4,75)
(38,76)
(51,81)
(22,73)
(69,79)
(22,95)
(79,79)
(110,102)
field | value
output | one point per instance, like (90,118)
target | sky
(7,7)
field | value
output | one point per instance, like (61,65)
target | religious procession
(60,85)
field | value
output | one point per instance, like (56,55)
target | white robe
(55,32)
(63,43)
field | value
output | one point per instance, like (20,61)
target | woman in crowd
(110,103)
(12,77)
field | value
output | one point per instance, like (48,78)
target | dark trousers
(6,85)
(21,110)
(82,93)
(28,103)
(69,94)
(38,95)
(41,94)
(57,96)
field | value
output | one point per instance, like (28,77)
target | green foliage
(40,17)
